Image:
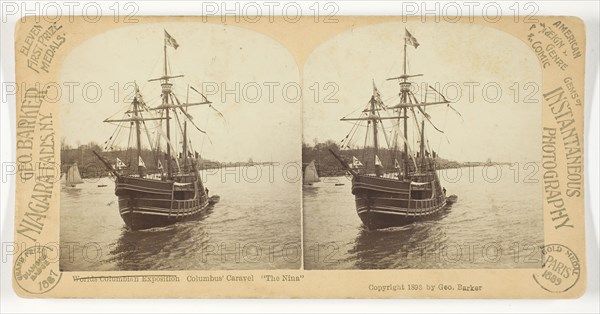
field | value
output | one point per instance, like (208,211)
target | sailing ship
(310,174)
(71,177)
(175,192)
(405,191)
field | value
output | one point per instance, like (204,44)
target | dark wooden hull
(387,202)
(148,203)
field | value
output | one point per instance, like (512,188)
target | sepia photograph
(429,149)
(305,156)
(175,166)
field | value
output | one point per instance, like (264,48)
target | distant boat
(399,192)
(310,174)
(71,177)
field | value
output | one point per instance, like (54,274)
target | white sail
(72,176)
(120,164)
(378,161)
(310,173)
(141,162)
(356,163)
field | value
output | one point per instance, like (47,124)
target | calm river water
(256,225)
(496,223)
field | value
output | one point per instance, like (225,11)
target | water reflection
(262,216)
(482,217)
(137,250)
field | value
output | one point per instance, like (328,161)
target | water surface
(496,223)
(256,225)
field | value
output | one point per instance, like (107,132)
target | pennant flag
(170,41)
(396,164)
(120,164)
(160,166)
(410,39)
(141,162)
(356,163)
(377,161)
(138,96)
(377,95)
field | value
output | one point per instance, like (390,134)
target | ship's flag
(376,94)
(377,161)
(410,39)
(356,163)
(160,166)
(396,164)
(170,41)
(141,162)
(120,164)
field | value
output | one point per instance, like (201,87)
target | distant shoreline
(341,172)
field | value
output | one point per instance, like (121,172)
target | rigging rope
(365,146)
(350,135)
(127,153)
(444,126)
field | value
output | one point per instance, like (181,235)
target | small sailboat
(310,174)
(71,177)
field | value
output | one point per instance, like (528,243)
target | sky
(260,122)
(503,128)
(264,122)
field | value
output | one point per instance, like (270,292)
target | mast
(165,56)
(138,134)
(167,87)
(423,145)
(404,88)
(166,90)
(375,142)
(404,67)
(185,152)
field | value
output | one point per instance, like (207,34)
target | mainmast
(167,87)
(185,140)
(405,99)
(166,91)
(138,132)
(374,119)
(404,90)
(422,145)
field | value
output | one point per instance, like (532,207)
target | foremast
(372,116)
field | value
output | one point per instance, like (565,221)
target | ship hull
(385,202)
(148,203)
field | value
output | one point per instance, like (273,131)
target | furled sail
(310,173)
